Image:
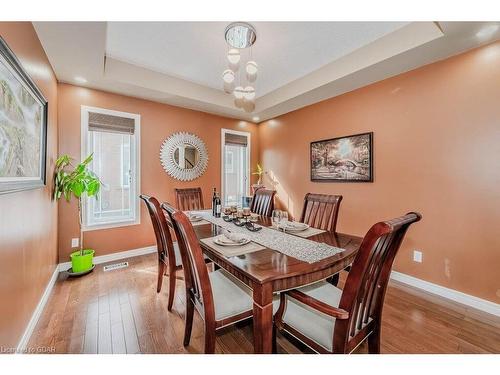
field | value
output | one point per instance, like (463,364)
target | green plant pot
(82,263)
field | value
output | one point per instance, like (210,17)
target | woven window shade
(100,122)
(236,140)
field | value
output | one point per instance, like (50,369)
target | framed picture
(23,127)
(343,159)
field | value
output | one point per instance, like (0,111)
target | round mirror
(184,156)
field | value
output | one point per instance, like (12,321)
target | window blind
(100,122)
(236,140)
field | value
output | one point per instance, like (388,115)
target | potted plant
(70,181)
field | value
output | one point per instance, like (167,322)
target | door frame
(225,131)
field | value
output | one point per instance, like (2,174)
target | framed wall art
(343,159)
(23,127)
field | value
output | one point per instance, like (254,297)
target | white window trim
(84,153)
(223,161)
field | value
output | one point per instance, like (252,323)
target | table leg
(263,318)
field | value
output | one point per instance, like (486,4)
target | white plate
(224,241)
(297,227)
(195,218)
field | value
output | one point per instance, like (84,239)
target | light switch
(417,256)
(75,242)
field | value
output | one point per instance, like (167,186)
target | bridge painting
(344,159)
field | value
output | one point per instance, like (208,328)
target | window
(114,138)
(235,167)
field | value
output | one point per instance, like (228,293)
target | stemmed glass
(276,217)
(283,219)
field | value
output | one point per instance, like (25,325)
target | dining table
(268,271)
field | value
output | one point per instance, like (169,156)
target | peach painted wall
(158,121)
(437,151)
(28,219)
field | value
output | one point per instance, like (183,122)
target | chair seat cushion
(231,296)
(310,322)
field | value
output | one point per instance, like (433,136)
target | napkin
(236,237)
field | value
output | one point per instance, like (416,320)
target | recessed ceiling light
(80,80)
(256,118)
(487,31)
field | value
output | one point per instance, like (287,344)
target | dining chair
(189,199)
(219,297)
(330,320)
(263,202)
(321,211)
(168,250)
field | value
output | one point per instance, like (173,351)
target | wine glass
(276,217)
(284,217)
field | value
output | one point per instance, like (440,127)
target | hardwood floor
(120,312)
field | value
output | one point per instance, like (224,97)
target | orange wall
(436,150)
(28,219)
(158,121)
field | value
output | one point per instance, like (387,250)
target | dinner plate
(195,218)
(296,227)
(224,241)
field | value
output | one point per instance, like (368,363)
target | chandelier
(239,81)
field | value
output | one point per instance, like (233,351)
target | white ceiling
(300,63)
(196,51)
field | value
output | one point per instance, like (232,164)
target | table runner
(297,247)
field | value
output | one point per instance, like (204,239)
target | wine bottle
(213,202)
(218,205)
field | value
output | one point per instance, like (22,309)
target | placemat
(232,251)
(201,222)
(309,232)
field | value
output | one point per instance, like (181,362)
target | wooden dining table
(268,271)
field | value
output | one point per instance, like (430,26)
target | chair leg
(171,286)
(161,270)
(189,321)
(209,338)
(374,342)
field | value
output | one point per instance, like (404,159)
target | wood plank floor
(120,312)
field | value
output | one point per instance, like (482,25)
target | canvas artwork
(23,122)
(344,159)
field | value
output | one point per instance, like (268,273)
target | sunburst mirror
(184,156)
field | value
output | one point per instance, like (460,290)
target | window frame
(248,174)
(85,142)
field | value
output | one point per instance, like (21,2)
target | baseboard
(451,294)
(21,346)
(114,256)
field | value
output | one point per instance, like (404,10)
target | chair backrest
(164,241)
(263,202)
(321,211)
(196,276)
(189,199)
(364,290)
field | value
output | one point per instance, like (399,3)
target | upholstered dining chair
(219,297)
(263,202)
(321,211)
(168,250)
(330,320)
(189,199)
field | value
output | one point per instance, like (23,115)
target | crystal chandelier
(239,79)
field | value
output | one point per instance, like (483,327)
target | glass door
(235,167)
